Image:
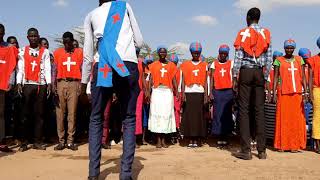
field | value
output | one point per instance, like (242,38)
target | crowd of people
(159,100)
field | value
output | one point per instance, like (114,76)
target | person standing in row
(162,84)
(68,61)
(34,85)
(290,129)
(194,95)
(222,93)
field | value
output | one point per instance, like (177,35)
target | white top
(213,66)
(45,67)
(129,37)
(194,88)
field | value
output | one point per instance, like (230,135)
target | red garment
(162,74)
(140,68)
(8,61)
(291,75)
(222,75)
(139,113)
(315,65)
(254,43)
(68,64)
(32,64)
(194,73)
(177,109)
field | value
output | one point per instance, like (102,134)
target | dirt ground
(175,162)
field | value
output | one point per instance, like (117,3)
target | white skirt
(161,118)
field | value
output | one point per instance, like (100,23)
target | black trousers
(34,105)
(2,118)
(252,86)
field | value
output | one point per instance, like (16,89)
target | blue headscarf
(148,59)
(224,48)
(195,46)
(305,53)
(290,42)
(162,47)
(277,54)
(174,58)
(318,42)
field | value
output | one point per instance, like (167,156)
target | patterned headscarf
(195,46)
(174,58)
(305,53)
(224,48)
(290,42)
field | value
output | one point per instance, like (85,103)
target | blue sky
(173,22)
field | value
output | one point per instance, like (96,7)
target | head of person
(276,54)
(195,50)
(305,53)
(289,47)
(148,59)
(162,52)
(253,16)
(174,58)
(223,53)
(33,37)
(67,39)
(75,44)
(44,42)
(318,42)
(104,1)
(12,40)
(2,32)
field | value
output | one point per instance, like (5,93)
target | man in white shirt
(128,36)
(34,84)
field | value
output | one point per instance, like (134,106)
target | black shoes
(59,147)
(262,155)
(106,146)
(72,147)
(93,178)
(243,155)
(23,148)
(38,146)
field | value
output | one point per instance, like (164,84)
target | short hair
(11,37)
(254,14)
(68,35)
(43,39)
(2,26)
(33,29)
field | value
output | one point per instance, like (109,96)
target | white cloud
(60,3)
(268,5)
(181,47)
(205,20)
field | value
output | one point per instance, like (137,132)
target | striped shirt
(242,58)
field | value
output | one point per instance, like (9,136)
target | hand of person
(19,89)
(147,96)
(235,86)
(54,89)
(306,98)
(178,95)
(311,97)
(114,97)
(49,89)
(83,89)
(274,99)
(269,97)
(184,99)
(205,99)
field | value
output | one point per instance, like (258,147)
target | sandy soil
(160,164)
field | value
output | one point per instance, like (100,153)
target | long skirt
(316,114)
(161,118)
(193,123)
(177,108)
(139,113)
(290,133)
(222,122)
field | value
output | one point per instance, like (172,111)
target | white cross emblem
(68,63)
(2,61)
(245,34)
(262,33)
(222,71)
(34,64)
(163,70)
(292,70)
(195,72)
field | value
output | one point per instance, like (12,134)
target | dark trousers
(34,104)
(251,83)
(127,90)
(2,119)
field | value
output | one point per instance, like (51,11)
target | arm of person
(276,80)
(175,86)
(311,83)
(183,89)
(304,81)
(20,72)
(212,69)
(88,50)
(135,28)
(268,61)
(47,71)
(236,68)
